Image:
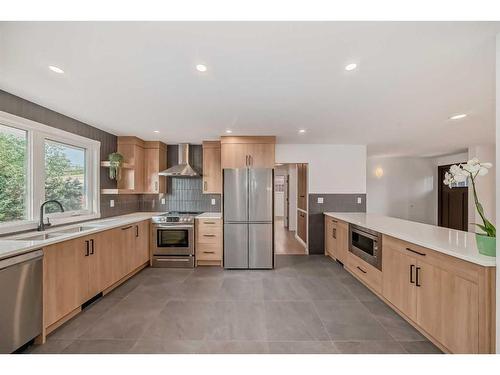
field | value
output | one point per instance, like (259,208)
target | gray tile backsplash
(331,202)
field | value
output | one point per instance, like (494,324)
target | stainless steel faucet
(41,224)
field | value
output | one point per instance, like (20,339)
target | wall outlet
(320,200)
(111,203)
(163,201)
(359,200)
(213,201)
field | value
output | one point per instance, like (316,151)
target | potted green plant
(486,242)
(115,163)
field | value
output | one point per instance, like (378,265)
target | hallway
(285,241)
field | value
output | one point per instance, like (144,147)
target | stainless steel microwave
(366,244)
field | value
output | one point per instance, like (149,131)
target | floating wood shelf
(119,191)
(124,165)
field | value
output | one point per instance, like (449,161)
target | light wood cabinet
(302,186)
(212,173)
(143,160)
(370,275)
(399,280)
(336,238)
(302,225)
(155,161)
(248,152)
(208,244)
(141,245)
(449,299)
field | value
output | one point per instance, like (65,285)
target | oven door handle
(174,227)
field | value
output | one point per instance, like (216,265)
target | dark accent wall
(331,203)
(29,110)
(183,193)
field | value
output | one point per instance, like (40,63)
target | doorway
(285,209)
(452,202)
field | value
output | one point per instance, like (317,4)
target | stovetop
(185,217)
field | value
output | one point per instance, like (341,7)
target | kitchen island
(434,277)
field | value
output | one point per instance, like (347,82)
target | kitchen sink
(55,233)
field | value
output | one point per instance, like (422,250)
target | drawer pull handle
(412,267)
(334,221)
(416,252)
(209,222)
(418,277)
(172,260)
(125,228)
(87,249)
(334,233)
(359,268)
(209,235)
(209,252)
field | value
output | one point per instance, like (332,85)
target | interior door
(236,245)
(260,246)
(236,195)
(260,197)
(452,203)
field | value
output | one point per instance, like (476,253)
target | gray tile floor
(308,304)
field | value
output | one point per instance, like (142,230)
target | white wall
(405,190)
(292,197)
(332,168)
(485,186)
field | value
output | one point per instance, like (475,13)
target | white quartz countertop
(12,247)
(210,215)
(451,242)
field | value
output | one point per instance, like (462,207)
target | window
(40,163)
(13,174)
(65,176)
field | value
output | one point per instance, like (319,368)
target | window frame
(37,133)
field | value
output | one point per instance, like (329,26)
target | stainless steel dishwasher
(20,300)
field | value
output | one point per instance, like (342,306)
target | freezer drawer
(260,195)
(235,195)
(236,245)
(260,246)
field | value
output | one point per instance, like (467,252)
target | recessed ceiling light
(156,131)
(229,131)
(56,69)
(302,131)
(351,66)
(201,68)
(458,117)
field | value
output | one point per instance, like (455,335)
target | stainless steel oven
(366,244)
(172,240)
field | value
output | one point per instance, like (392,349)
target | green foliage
(12,177)
(63,181)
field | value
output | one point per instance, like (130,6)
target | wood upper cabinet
(248,152)
(302,186)
(155,161)
(212,173)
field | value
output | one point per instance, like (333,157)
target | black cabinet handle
(334,233)
(125,228)
(415,252)
(418,277)
(209,235)
(87,251)
(359,268)
(412,267)
(137,231)
(92,247)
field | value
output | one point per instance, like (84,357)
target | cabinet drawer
(209,237)
(209,223)
(366,272)
(209,252)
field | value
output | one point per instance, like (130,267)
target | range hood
(182,169)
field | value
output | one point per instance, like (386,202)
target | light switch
(320,200)
(111,203)
(163,201)
(213,201)
(359,200)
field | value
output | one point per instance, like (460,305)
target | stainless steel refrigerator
(248,218)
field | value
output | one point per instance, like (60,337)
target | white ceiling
(265,78)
